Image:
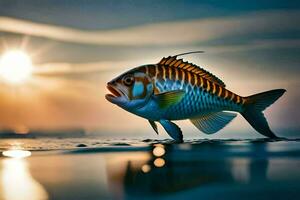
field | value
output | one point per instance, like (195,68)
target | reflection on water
(206,170)
(146,168)
(210,170)
(159,162)
(240,170)
(173,171)
(159,150)
(17,182)
(16,153)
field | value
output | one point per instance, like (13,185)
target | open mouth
(114,92)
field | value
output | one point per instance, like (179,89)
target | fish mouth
(115,93)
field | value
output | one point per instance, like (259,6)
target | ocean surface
(97,168)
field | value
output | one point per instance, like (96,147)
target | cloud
(166,33)
(254,45)
(65,68)
(92,68)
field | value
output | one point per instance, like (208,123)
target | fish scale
(196,100)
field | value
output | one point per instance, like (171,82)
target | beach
(147,169)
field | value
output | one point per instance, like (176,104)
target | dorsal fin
(172,61)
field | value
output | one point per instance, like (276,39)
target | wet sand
(135,169)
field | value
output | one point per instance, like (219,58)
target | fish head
(130,90)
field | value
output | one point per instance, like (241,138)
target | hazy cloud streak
(166,33)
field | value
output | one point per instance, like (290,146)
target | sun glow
(15,67)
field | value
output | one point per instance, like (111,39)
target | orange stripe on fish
(195,80)
(163,61)
(189,77)
(173,62)
(243,100)
(182,65)
(170,73)
(156,71)
(170,60)
(238,99)
(220,91)
(208,85)
(186,66)
(176,74)
(226,94)
(183,77)
(191,68)
(178,63)
(201,81)
(194,70)
(163,72)
(214,88)
(232,96)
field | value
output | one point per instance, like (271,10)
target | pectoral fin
(172,129)
(167,99)
(154,126)
(213,122)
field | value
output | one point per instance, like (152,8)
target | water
(146,169)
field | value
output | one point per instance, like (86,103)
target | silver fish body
(196,101)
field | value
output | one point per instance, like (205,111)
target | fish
(174,89)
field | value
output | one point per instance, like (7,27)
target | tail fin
(254,107)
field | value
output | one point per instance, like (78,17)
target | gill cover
(135,88)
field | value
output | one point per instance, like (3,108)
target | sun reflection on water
(159,162)
(16,180)
(15,153)
(159,151)
(146,168)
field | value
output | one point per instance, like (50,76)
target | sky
(78,46)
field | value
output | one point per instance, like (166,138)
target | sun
(15,67)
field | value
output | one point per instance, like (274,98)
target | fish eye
(128,80)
